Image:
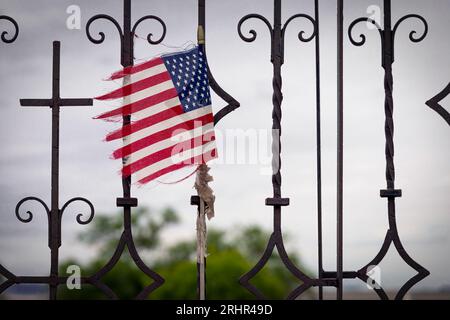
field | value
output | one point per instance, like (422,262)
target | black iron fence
(277,31)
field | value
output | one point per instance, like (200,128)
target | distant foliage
(230,255)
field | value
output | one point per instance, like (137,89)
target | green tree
(230,255)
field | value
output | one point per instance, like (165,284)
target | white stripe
(147,73)
(181,157)
(135,136)
(175,139)
(150,91)
(157,108)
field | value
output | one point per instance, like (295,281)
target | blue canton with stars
(189,74)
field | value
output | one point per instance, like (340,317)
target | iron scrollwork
(80,215)
(4,35)
(150,35)
(127,34)
(387,34)
(277,35)
(29,218)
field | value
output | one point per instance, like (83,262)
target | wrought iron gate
(277,31)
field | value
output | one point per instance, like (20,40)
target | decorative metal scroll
(277,35)
(387,34)
(6,38)
(126,36)
(54,214)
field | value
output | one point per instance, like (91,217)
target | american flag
(172,124)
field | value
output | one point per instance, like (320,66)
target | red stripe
(153,158)
(140,105)
(136,86)
(196,160)
(161,135)
(135,69)
(144,123)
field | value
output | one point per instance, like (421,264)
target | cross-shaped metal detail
(54,213)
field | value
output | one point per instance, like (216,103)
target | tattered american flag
(172,124)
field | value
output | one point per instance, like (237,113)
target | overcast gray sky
(244,70)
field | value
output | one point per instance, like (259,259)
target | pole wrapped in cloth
(206,208)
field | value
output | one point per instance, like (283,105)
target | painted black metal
(434,103)
(232,104)
(387,34)
(318,152)
(340,150)
(15,34)
(277,35)
(54,213)
(127,202)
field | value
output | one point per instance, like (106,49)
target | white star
(178,83)
(188,99)
(181,58)
(185,81)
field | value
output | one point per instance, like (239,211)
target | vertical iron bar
(54,213)
(127,61)
(277,99)
(127,41)
(340,145)
(388,59)
(201,13)
(201,270)
(319,150)
(55,236)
